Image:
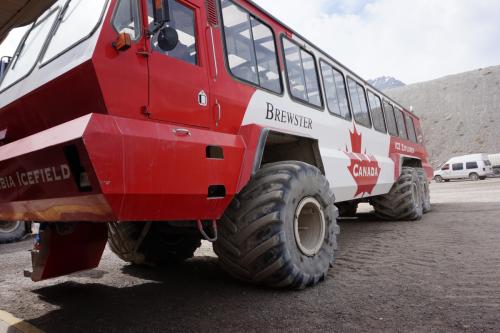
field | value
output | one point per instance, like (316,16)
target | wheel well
(411,162)
(287,147)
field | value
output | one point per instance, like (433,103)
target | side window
(377,113)
(183,20)
(400,120)
(359,104)
(391,120)
(127,18)
(302,74)
(471,165)
(251,52)
(458,166)
(335,91)
(411,128)
(446,167)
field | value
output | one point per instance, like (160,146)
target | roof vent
(212,12)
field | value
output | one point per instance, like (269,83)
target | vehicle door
(446,171)
(458,170)
(178,79)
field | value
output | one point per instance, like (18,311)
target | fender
(266,145)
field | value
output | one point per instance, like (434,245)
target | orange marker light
(123,42)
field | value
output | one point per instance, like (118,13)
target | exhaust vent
(212,12)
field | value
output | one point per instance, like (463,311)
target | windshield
(62,28)
(28,51)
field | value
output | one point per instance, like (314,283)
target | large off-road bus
(156,124)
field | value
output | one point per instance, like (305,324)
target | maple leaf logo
(364,168)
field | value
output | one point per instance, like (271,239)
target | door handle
(181,132)
(218,117)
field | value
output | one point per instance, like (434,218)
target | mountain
(386,82)
(460,113)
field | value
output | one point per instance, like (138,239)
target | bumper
(102,168)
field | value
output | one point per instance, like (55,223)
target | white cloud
(411,40)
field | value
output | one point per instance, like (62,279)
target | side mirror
(168,39)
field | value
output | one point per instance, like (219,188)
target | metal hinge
(145,111)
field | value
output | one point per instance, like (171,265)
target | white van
(473,167)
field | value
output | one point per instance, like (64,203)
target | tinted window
(391,120)
(267,63)
(487,163)
(335,91)
(126,18)
(400,120)
(239,46)
(302,73)
(359,105)
(411,128)
(377,113)
(471,165)
(182,19)
(458,166)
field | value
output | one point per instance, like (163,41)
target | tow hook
(204,234)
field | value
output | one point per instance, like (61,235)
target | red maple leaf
(364,168)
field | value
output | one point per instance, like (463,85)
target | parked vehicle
(178,121)
(473,167)
(12,231)
(495,163)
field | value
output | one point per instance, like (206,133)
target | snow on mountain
(386,82)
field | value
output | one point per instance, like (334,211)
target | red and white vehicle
(172,121)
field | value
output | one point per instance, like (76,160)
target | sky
(411,40)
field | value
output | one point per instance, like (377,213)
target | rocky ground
(440,274)
(460,113)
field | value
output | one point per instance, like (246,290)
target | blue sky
(412,40)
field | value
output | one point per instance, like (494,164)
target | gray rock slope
(460,113)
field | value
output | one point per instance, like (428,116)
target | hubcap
(310,226)
(8,227)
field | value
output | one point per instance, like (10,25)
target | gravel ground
(440,274)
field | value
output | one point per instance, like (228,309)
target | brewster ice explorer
(155,124)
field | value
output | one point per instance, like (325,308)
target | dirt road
(439,274)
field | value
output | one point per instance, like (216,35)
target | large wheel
(425,192)
(280,231)
(439,179)
(347,209)
(158,246)
(404,201)
(12,231)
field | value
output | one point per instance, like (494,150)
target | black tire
(425,192)
(158,247)
(474,177)
(258,240)
(404,201)
(439,179)
(12,231)
(347,209)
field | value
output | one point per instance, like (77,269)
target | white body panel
(333,135)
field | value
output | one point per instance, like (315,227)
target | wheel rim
(474,177)
(8,227)
(309,226)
